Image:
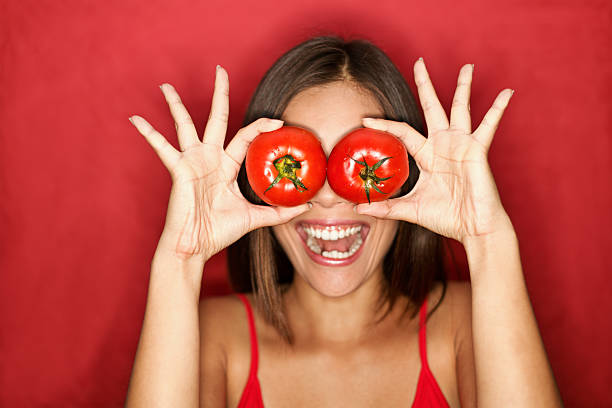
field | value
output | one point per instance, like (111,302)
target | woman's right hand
(207,211)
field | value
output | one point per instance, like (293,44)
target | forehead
(331,111)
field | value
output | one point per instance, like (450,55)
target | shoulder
(454,313)
(460,301)
(465,368)
(211,305)
(224,341)
(456,294)
(220,316)
(224,323)
(459,292)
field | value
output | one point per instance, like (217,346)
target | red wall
(83,196)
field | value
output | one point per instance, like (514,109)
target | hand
(206,211)
(455,194)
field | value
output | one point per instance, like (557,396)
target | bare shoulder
(460,295)
(457,294)
(222,320)
(459,291)
(453,315)
(219,316)
(460,302)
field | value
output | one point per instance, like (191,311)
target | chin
(334,282)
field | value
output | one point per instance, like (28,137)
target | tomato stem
(286,166)
(369,177)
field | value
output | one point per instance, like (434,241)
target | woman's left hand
(455,194)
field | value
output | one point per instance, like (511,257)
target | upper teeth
(332,233)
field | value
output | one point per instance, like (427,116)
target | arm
(206,213)
(166,367)
(511,364)
(456,196)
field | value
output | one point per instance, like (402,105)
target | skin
(195,353)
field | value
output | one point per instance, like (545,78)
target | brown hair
(415,261)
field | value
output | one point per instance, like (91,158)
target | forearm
(512,368)
(166,366)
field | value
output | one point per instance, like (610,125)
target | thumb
(394,209)
(264,216)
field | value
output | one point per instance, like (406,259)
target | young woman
(311,331)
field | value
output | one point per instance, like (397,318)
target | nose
(327,198)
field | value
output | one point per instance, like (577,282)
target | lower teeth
(314,247)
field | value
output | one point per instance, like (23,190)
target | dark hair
(415,260)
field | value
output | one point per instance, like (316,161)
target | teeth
(312,244)
(331,234)
(334,254)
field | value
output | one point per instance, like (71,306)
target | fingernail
(472,68)
(368,120)
(512,92)
(217,68)
(421,59)
(277,121)
(309,205)
(131,120)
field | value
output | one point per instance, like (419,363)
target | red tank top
(428,393)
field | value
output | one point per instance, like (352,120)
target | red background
(83,196)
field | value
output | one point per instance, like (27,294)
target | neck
(317,318)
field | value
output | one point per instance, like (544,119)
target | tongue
(340,245)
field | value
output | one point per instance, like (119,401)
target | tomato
(367,165)
(286,166)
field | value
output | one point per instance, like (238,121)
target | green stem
(286,166)
(369,177)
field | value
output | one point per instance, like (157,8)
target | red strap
(253,335)
(422,335)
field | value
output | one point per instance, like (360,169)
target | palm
(455,195)
(206,175)
(207,211)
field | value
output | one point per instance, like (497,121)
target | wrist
(500,226)
(489,243)
(490,252)
(174,245)
(167,264)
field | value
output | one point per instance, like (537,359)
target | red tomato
(367,165)
(286,167)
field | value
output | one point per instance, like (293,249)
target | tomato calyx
(286,166)
(369,177)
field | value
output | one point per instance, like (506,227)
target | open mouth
(333,242)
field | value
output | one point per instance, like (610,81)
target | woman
(313,333)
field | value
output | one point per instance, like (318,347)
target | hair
(415,260)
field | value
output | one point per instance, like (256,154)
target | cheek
(388,230)
(279,233)
(283,234)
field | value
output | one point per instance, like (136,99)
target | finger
(187,134)
(435,117)
(264,216)
(485,131)
(216,127)
(413,140)
(460,109)
(401,208)
(166,152)
(239,145)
